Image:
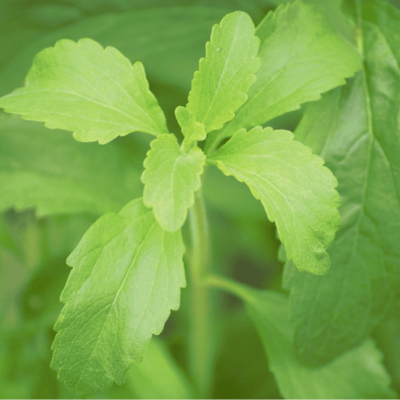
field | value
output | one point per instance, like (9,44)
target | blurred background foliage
(169,38)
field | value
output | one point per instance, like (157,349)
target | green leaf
(6,240)
(126,278)
(296,190)
(175,35)
(231,379)
(301,57)
(171,177)
(191,130)
(356,374)
(94,92)
(356,130)
(158,376)
(220,85)
(54,174)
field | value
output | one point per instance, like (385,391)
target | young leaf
(296,190)
(54,174)
(226,73)
(158,376)
(126,278)
(192,130)
(171,177)
(301,57)
(335,312)
(94,92)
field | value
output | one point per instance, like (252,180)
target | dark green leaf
(356,130)
(53,173)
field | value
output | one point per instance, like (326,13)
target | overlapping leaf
(356,130)
(175,35)
(191,129)
(171,177)
(126,278)
(226,73)
(159,376)
(301,57)
(356,374)
(51,172)
(296,190)
(94,92)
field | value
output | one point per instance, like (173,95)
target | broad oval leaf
(226,73)
(94,92)
(126,277)
(361,119)
(54,174)
(296,190)
(171,177)
(301,57)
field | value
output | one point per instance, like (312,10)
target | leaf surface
(94,92)
(356,131)
(158,376)
(171,177)
(191,129)
(175,35)
(126,277)
(54,174)
(226,73)
(296,190)
(301,57)
(359,373)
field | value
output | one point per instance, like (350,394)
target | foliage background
(169,38)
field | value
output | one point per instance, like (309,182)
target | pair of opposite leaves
(111,313)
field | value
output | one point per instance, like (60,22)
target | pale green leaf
(94,92)
(296,190)
(356,130)
(226,73)
(126,278)
(158,376)
(175,35)
(171,177)
(191,130)
(54,174)
(302,57)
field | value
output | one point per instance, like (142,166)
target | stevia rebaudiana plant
(331,188)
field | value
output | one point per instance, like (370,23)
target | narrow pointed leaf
(296,190)
(362,120)
(301,57)
(226,73)
(126,277)
(54,174)
(94,92)
(171,178)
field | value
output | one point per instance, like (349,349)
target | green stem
(200,337)
(359,34)
(212,143)
(228,285)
